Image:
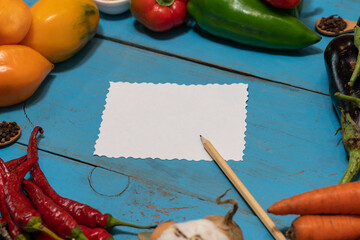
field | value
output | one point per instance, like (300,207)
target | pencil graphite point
(203,140)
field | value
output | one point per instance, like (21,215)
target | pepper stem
(77,234)
(81,236)
(348,98)
(42,228)
(353,167)
(165,3)
(350,132)
(21,237)
(356,71)
(111,222)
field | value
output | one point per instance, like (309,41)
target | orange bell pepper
(15,21)
(22,70)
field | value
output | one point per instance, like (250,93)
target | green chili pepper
(251,22)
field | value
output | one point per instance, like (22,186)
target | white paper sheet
(145,120)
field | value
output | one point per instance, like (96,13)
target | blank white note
(145,120)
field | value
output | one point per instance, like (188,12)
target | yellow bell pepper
(60,28)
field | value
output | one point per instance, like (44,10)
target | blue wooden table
(291,144)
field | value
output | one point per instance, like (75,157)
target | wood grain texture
(303,68)
(244,192)
(290,142)
(141,203)
(291,145)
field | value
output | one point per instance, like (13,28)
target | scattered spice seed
(332,24)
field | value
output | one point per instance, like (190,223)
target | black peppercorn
(8,130)
(333,23)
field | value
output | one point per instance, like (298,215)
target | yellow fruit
(22,70)
(15,21)
(60,28)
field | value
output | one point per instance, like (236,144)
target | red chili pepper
(284,4)
(19,206)
(96,233)
(82,213)
(12,164)
(52,214)
(41,235)
(159,15)
(14,230)
(4,171)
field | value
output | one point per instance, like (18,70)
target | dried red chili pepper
(14,230)
(53,215)
(12,164)
(19,206)
(82,213)
(4,171)
(96,233)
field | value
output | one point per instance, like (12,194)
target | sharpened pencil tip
(203,140)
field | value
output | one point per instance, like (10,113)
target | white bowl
(113,7)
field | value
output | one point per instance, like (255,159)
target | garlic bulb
(201,229)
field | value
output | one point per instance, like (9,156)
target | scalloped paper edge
(169,159)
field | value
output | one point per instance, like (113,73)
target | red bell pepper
(284,4)
(159,15)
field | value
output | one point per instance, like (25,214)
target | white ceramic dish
(113,7)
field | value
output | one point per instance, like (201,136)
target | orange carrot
(325,227)
(335,199)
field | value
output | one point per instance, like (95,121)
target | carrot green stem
(42,228)
(350,132)
(112,222)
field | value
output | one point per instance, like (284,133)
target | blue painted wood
(130,199)
(303,68)
(290,142)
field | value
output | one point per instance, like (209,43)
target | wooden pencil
(251,201)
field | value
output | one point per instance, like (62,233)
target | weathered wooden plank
(290,142)
(130,199)
(303,68)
